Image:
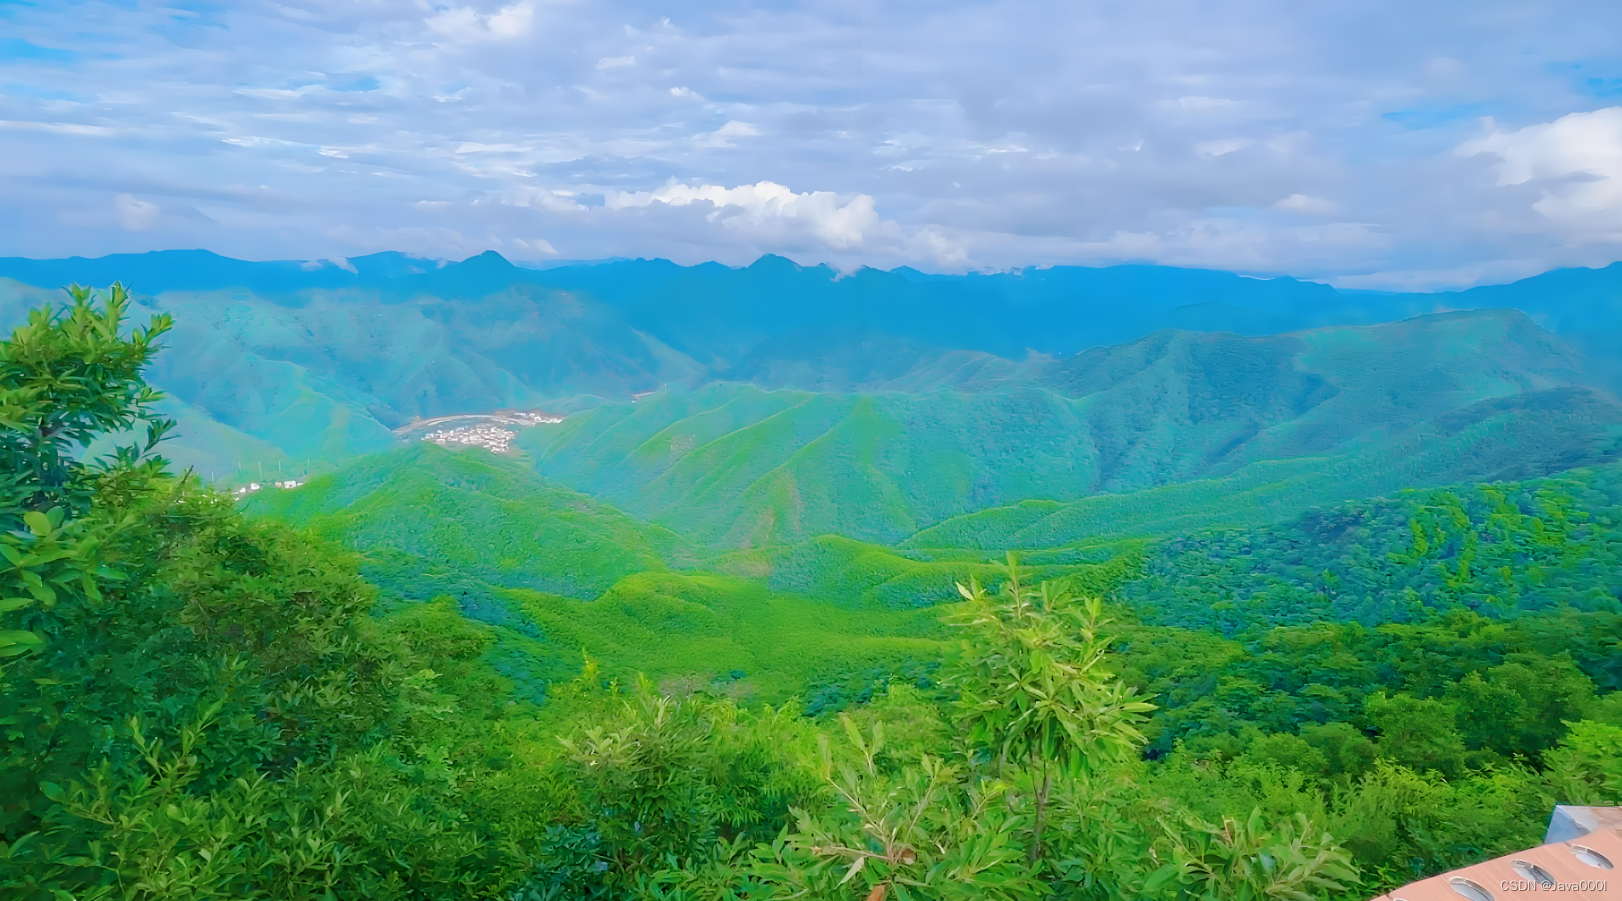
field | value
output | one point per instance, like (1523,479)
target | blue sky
(1371,144)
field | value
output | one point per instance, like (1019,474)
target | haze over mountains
(876,404)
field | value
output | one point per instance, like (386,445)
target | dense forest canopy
(350,691)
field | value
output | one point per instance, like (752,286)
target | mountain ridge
(329,358)
(1450,397)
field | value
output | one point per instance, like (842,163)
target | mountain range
(772,403)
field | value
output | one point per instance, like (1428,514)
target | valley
(1360,577)
(524,450)
(274,362)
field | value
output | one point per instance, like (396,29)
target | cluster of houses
(533,417)
(495,434)
(492,438)
(251,487)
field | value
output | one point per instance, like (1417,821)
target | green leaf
(37,522)
(18,641)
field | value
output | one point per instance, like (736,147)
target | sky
(1375,144)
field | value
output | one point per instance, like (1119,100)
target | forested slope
(205,704)
(1422,402)
(299,366)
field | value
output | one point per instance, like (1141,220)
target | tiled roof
(1585,868)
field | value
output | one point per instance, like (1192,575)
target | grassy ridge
(709,630)
(425,514)
(213,705)
(1520,436)
(1281,423)
(1503,549)
(855,573)
(556,575)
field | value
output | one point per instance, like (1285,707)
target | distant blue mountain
(717,313)
(323,359)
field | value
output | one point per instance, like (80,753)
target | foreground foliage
(198,705)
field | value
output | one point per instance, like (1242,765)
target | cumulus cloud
(1579,159)
(722,137)
(770,211)
(767,216)
(980,134)
(135,214)
(463,23)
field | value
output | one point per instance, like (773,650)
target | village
(492,431)
(495,439)
(251,487)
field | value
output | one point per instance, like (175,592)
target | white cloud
(1583,151)
(513,21)
(1221,147)
(497,110)
(66,128)
(134,214)
(1302,203)
(722,137)
(770,216)
(474,147)
(462,23)
(768,209)
(537,245)
(1445,68)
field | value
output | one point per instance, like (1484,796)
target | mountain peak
(772,261)
(488,260)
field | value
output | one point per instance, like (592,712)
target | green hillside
(428,517)
(854,573)
(299,369)
(704,631)
(1422,402)
(1283,658)
(1346,599)
(320,376)
(1503,550)
(558,575)
(1518,436)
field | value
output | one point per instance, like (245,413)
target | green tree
(67,376)
(1417,732)
(1587,767)
(922,832)
(1035,685)
(667,783)
(1250,861)
(206,710)
(1347,752)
